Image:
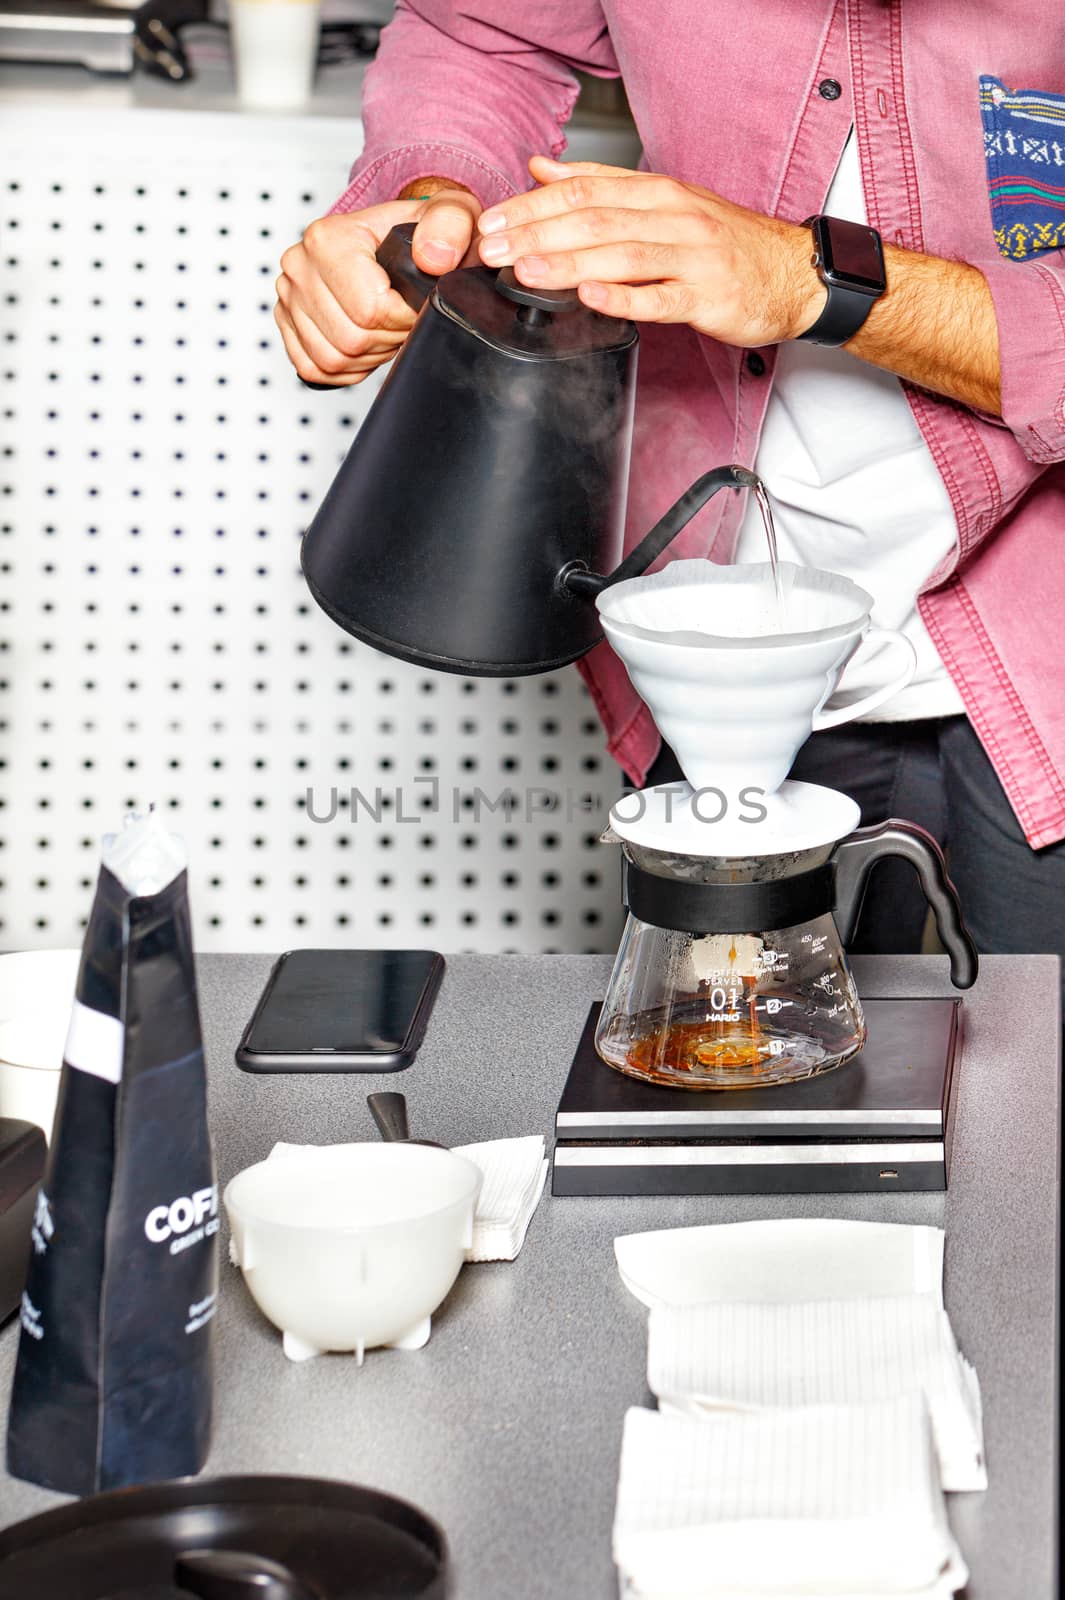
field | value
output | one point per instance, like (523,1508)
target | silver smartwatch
(849,259)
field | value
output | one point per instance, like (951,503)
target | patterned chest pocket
(1024,145)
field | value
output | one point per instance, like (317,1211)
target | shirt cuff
(1029,302)
(382,177)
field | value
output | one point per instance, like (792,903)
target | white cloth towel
(709,1358)
(824,1501)
(515,1171)
(798,1258)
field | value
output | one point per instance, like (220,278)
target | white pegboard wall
(159,464)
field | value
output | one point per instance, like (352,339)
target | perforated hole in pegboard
(159,464)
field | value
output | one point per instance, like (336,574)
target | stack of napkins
(515,1171)
(711,1358)
(840,1501)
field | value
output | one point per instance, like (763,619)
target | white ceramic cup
(734,699)
(352,1246)
(275,48)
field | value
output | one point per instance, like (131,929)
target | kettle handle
(852,861)
(409,281)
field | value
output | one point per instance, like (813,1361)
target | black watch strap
(845,311)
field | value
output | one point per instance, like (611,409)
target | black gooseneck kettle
(481,506)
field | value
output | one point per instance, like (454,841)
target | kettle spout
(576,579)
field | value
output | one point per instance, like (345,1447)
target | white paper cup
(29,1094)
(275,49)
(36,995)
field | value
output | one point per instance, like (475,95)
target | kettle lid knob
(554,300)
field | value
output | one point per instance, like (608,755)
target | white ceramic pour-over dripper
(734,684)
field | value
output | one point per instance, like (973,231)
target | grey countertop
(506,1426)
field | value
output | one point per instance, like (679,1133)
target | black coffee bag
(114,1372)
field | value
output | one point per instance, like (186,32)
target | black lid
(560,326)
(336,1540)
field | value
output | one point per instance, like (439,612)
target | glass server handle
(852,861)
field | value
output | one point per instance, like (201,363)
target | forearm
(935,327)
(654,249)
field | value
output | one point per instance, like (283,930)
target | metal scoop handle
(389,1111)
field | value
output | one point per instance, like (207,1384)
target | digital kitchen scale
(881,1122)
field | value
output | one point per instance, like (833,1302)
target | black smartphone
(342,1011)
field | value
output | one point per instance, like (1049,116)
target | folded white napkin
(514,1174)
(815,1258)
(515,1171)
(707,1358)
(840,1501)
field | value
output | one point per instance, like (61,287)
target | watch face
(850,253)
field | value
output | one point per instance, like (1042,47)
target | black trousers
(935,773)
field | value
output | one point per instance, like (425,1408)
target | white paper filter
(839,1501)
(790,1259)
(703,603)
(703,1359)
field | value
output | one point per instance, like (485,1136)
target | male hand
(653,249)
(339,317)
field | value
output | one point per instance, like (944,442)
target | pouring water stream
(764,506)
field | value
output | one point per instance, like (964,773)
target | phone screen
(342,1002)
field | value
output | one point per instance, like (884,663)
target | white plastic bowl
(352,1246)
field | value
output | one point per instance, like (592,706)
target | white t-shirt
(855,489)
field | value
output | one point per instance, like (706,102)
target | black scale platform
(883,1121)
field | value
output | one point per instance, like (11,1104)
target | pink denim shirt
(727,95)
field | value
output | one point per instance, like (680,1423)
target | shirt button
(755,364)
(829,89)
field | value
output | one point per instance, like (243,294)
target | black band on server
(728,907)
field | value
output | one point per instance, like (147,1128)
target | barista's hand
(339,317)
(657,250)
